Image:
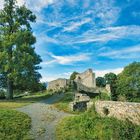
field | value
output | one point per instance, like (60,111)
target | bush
(2,95)
(90,126)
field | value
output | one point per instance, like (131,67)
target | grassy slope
(90,126)
(14,125)
(19,102)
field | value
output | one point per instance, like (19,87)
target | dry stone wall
(119,110)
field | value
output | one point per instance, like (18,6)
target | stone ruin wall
(108,89)
(119,110)
(86,78)
(85,81)
(57,84)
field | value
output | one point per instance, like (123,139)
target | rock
(80,103)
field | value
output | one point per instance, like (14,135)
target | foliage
(100,82)
(18,59)
(111,79)
(72,87)
(2,81)
(14,125)
(2,94)
(73,75)
(90,126)
(63,104)
(104,96)
(128,83)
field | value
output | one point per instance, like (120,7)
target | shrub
(2,95)
(90,126)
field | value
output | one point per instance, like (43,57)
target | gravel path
(44,118)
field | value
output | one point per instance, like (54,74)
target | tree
(18,60)
(111,79)
(73,75)
(128,83)
(100,82)
(2,81)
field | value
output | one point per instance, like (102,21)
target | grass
(90,126)
(63,104)
(19,102)
(14,125)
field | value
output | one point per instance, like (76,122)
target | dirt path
(44,118)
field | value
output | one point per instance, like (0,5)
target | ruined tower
(86,78)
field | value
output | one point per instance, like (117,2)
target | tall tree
(18,60)
(111,79)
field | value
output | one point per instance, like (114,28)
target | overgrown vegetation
(73,75)
(90,126)
(2,94)
(63,104)
(100,82)
(14,125)
(128,83)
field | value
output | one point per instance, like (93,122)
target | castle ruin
(58,84)
(84,81)
(86,78)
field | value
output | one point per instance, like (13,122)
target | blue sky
(73,35)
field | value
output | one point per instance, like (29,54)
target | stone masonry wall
(86,78)
(120,110)
(57,84)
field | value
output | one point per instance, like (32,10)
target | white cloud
(98,73)
(131,52)
(107,34)
(68,59)
(46,39)
(101,73)
(1,4)
(74,25)
(35,5)
(49,78)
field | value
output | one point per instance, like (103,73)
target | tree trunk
(9,89)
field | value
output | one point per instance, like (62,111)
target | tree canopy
(128,83)
(18,59)
(100,82)
(111,79)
